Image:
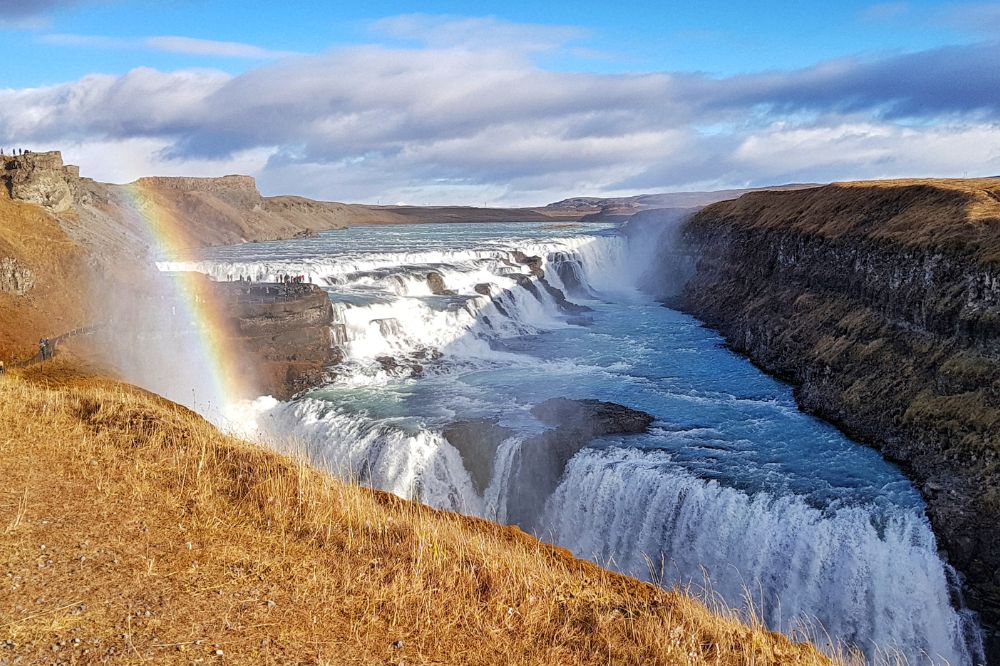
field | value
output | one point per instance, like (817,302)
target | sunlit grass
(165,541)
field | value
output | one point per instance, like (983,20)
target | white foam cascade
(419,464)
(864,576)
(388,308)
(810,573)
(336,270)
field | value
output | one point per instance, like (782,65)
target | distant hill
(593,209)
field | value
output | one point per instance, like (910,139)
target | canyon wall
(283,333)
(880,303)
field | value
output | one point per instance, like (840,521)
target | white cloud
(981,18)
(122,161)
(168,44)
(872,150)
(450,122)
(208,47)
(478,32)
(32,13)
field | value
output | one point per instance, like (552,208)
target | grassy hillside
(56,303)
(133,531)
(961,217)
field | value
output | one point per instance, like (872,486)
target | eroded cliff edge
(880,303)
(283,332)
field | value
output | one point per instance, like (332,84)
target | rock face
(285,333)
(881,305)
(534,263)
(15,279)
(435,282)
(541,459)
(477,440)
(39,178)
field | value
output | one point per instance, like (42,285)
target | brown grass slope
(132,531)
(35,240)
(961,217)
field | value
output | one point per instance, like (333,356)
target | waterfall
(415,464)
(867,574)
(866,578)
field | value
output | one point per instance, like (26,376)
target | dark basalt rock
(284,332)
(427,353)
(534,263)
(435,281)
(526,283)
(477,440)
(593,418)
(559,297)
(893,340)
(541,460)
(483,288)
(412,368)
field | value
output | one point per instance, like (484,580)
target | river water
(733,493)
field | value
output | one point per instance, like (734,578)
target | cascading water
(810,572)
(732,481)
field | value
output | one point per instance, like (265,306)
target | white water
(810,573)
(732,481)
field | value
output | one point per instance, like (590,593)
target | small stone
(218,653)
(398,644)
(271,604)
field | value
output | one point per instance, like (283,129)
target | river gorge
(453,338)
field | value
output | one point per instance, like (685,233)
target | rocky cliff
(880,303)
(283,332)
(39,178)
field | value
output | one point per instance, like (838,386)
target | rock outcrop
(477,441)
(435,282)
(39,178)
(541,460)
(14,278)
(534,263)
(284,333)
(880,303)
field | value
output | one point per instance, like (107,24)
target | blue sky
(509,103)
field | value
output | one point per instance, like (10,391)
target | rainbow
(214,351)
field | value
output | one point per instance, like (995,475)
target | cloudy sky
(514,103)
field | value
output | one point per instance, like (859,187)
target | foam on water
(732,480)
(810,572)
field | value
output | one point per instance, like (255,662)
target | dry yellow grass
(959,216)
(56,304)
(134,532)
